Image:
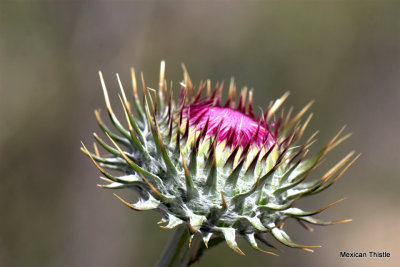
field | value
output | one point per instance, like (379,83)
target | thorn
(265,241)
(161,85)
(96,164)
(305,226)
(250,104)
(134,130)
(208,91)
(253,163)
(138,169)
(165,91)
(324,182)
(106,98)
(143,86)
(166,157)
(300,114)
(339,141)
(126,114)
(338,165)
(265,157)
(224,205)
(212,178)
(153,106)
(345,168)
(190,239)
(219,94)
(178,133)
(203,132)
(232,179)
(324,208)
(127,104)
(186,133)
(237,250)
(288,116)
(302,157)
(303,128)
(170,127)
(105,146)
(134,83)
(206,238)
(193,155)
(162,75)
(170,113)
(96,150)
(309,141)
(250,238)
(331,143)
(214,92)
(341,221)
(123,201)
(187,80)
(242,100)
(277,104)
(199,92)
(158,194)
(232,93)
(190,188)
(106,179)
(231,136)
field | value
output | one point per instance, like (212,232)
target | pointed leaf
(252,241)
(229,234)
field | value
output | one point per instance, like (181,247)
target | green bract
(221,184)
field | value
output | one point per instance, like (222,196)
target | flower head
(232,125)
(218,168)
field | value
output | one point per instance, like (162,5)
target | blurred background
(343,54)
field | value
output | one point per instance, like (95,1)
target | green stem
(178,253)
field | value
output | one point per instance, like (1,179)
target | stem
(177,252)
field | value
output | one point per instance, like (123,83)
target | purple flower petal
(236,127)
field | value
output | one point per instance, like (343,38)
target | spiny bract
(220,169)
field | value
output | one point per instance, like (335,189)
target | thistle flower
(216,167)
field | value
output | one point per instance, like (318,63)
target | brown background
(344,54)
